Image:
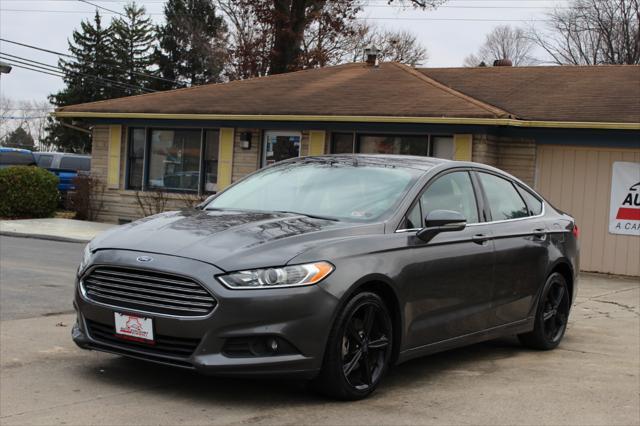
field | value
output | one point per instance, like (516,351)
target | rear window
(16,158)
(534,203)
(75,163)
(45,161)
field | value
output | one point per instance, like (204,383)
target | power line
(369,18)
(54,69)
(101,7)
(76,58)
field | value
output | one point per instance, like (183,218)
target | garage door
(578,180)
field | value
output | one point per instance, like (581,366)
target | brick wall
(516,156)
(246,161)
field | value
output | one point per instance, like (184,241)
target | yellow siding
(462,145)
(316,142)
(578,180)
(113,167)
(225,158)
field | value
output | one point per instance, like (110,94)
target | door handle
(480,239)
(540,234)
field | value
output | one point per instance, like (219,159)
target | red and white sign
(134,327)
(624,214)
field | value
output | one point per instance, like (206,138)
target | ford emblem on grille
(144,258)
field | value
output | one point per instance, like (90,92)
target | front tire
(358,350)
(552,315)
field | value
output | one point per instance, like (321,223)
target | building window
(135,158)
(210,161)
(342,143)
(279,146)
(424,145)
(393,144)
(173,159)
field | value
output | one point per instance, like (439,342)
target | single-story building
(560,129)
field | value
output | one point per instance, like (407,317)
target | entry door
(280,145)
(450,277)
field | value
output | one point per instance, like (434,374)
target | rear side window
(503,198)
(75,163)
(16,158)
(45,161)
(453,191)
(534,203)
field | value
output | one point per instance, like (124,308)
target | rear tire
(552,315)
(358,351)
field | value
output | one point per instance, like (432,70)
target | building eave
(510,122)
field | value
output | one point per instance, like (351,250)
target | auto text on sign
(624,213)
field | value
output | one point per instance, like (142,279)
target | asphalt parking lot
(592,378)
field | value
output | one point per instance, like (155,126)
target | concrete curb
(43,237)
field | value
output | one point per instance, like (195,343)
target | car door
(448,279)
(521,247)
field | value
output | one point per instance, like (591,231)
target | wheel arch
(564,268)
(386,289)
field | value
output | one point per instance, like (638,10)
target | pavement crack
(627,308)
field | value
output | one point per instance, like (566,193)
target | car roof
(408,161)
(6,149)
(65,154)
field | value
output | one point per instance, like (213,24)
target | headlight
(86,257)
(287,276)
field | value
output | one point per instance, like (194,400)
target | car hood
(230,240)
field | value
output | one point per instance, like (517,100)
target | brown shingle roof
(345,90)
(570,93)
(609,94)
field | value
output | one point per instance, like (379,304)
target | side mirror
(441,221)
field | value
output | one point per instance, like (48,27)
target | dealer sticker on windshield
(134,327)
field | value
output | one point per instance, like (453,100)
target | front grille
(148,291)
(163,345)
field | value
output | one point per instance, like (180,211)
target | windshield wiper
(313,216)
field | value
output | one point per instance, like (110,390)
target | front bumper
(300,316)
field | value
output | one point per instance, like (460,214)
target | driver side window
(453,191)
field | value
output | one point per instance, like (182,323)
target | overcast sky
(450,33)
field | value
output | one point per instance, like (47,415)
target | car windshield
(336,190)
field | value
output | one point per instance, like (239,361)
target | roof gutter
(357,119)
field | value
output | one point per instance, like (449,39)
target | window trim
(478,196)
(486,205)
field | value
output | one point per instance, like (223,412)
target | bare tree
(394,46)
(275,36)
(29,115)
(504,42)
(592,32)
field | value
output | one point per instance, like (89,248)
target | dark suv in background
(65,166)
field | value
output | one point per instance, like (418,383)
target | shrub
(87,200)
(27,191)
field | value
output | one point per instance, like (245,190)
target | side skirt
(517,327)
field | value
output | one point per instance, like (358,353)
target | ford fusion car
(333,268)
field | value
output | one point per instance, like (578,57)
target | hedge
(28,191)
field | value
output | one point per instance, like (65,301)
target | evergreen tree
(19,138)
(192,43)
(89,77)
(133,42)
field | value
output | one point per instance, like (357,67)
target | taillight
(576,231)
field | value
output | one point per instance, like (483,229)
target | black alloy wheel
(552,315)
(358,350)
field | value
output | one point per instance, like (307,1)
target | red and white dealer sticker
(134,327)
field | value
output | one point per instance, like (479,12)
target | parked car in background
(333,268)
(16,157)
(65,166)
